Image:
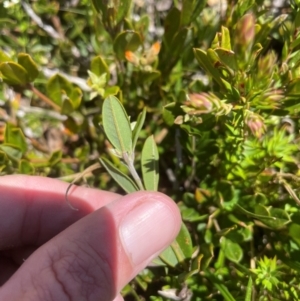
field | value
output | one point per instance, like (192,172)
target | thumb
(95,257)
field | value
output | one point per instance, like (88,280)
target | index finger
(34,209)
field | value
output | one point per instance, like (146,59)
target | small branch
(79,176)
(132,171)
(44,98)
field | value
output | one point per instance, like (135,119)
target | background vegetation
(220,81)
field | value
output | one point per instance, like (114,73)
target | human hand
(50,252)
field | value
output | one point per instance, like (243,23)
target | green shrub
(217,87)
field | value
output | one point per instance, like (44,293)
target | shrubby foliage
(220,86)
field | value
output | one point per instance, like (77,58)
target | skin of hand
(49,252)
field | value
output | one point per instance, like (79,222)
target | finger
(34,209)
(95,257)
(119,298)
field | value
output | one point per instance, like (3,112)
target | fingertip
(118,298)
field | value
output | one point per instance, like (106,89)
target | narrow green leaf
(206,64)
(101,7)
(13,74)
(186,12)
(220,286)
(225,41)
(249,290)
(258,216)
(123,180)
(29,65)
(122,9)
(116,124)
(224,292)
(150,164)
(199,6)
(213,57)
(171,25)
(138,126)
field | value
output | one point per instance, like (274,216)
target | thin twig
(132,171)
(44,98)
(79,176)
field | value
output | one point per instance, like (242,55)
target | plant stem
(44,98)
(129,161)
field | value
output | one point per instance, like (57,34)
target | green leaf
(220,287)
(15,137)
(294,232)
(184,241)
(199,6)
(112,90)
(168,257)
(26,167)
(11,151)
(75,97)
(150,164)
(29,65)
(232,250)
(98,66)
(180,250)
(149,76)
(225,41)
(186,12)
(13,74)
(116,125)
(206,64)
(67,107)
(123,180)
(98,4)
(227,57)
(59,88)
(97,82)
(255,215)
(122,8)
(170,112)
(138,126)
(171,25)
(4,57)
(55,158)
(280,218)
(249,290)
(126,41)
